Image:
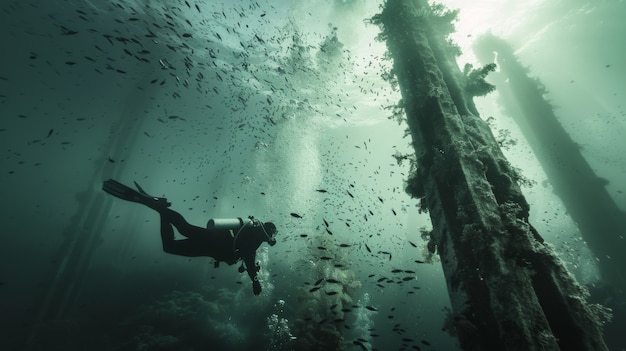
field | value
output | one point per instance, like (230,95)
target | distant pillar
(507,289)
(601,222)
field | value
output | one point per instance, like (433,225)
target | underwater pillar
(601,222)
(507,288)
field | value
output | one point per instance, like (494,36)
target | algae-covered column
(507,289)
(601,222)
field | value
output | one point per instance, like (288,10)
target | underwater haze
(271,109)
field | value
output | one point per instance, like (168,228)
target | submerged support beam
(507,288)
(601,222)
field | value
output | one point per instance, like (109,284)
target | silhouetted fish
(360,344)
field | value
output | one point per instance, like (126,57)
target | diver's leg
(185,247)
(169,216)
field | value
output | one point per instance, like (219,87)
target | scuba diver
(227,240)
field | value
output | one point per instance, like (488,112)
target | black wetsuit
(212,243)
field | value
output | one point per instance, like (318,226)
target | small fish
(406,279)
(412,244)
(349,193)
(325,223)
(386,253)
(344,245)
(368,248)
(65,31)
(418,261)
(396,271)
(304,235)
(50,133)
(321,248)
(295,215)
(111,160)
(329,232)
(394,212)
(331,293)
(360,344)
(381,200)
(371,308)
(314,289)
(325,258)
(334,281)
(321,190)
(319,281)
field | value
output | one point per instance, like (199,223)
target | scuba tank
(225,223)
(236,225)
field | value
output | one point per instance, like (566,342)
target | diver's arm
(252,269)
(250,265)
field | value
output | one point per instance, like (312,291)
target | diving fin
(123,192)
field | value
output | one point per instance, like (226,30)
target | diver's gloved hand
(256,287)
